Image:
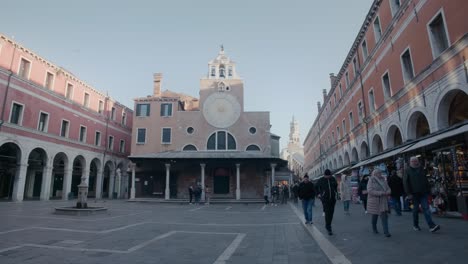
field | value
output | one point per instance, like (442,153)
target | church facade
(179,140)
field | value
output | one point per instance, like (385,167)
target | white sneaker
(323,214)
(366,212)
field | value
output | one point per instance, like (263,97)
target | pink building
(179,140)
(56,129)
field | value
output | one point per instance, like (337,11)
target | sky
(284,50)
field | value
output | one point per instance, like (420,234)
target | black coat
(396,185)
(306,190)
(327,188)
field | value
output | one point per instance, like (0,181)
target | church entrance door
(221,181)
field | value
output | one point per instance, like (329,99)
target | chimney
(319,106)
(324,95)
(157,79)
(332,79)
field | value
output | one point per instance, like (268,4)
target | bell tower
(294,136)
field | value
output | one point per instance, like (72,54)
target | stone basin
(72,210)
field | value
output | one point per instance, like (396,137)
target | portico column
(132,189)
(273,165)
(45,186)
(20,179)
(202,165)
(67,181)
(99,184)
(238,193)
(118,182)
(167,193)
(111,184)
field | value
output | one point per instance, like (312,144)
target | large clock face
(221,110)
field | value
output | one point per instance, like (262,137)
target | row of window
(144,109)
(24,72)
(16,116)
(166,135)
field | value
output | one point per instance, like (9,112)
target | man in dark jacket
(417,187)
(306,192)
(396,185)
(327,189)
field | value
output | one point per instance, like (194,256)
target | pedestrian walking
(417,188)
(190,191)
(327,190)
(285,194)
(306,192)
(396,185)
(362,191)
(266,192)
(197,191)
(274,195)
(377,201)
(345,192)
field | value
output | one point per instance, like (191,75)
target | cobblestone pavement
(173,233)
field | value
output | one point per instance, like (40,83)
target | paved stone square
(174,233)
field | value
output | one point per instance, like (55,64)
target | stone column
(202,165)
(132,189)
(20,179)
(99,183)
(45,186)
(111,184)
(238,192)
(167,192)
(67,180)
(273,165)
(118,179)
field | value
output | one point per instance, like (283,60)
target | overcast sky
(284,50)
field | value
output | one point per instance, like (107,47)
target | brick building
(179,140)
(56,129)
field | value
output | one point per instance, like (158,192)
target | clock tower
(221,92)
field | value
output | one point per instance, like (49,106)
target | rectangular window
(365,52)
(334,98)
(86,100)
(221,140)
(347,80)
(122,146)
(395,6)
(43,122)
(141,136)
(377,29)
(360,111)
(110,143)
(124,118)
(142,110)
(351,121)
(407,66)
(166,109)
(341,90)
(355,66)
(166,135)
(344,126)
(25,67)
(386,86)
(64,128)
(371,101)
(97,138)
(69,92)
(438,35)
(16,114)
(230,71)
(113,113)
(338,135)
(101,107)
(82,134)
(49,81)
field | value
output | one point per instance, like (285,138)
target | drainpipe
(105,148)
(366,122)
(2,118)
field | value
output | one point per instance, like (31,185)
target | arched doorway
(79,164)
(346,159)
(394,137)
(335,164)
(354,156)
(37,162)
(93,176)
(58,175)
(418,126)
(453,109)
(364,150)
(340,161)
(10,157)
(377,145)
(106,182)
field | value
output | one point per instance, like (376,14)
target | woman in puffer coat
(377,200)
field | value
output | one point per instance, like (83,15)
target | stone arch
(340,161)
(394,136)
(335,164)
(377,144)
(347,161)
(59,167)
(451,108)
(107,181)
(364,153)
(417,125)
(78,171)
(94,171)
(10,160)
(35,181)
(354,155)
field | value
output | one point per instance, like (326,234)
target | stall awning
(382,156)
(435,138)
(343,169)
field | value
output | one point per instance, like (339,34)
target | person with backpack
(327,191)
